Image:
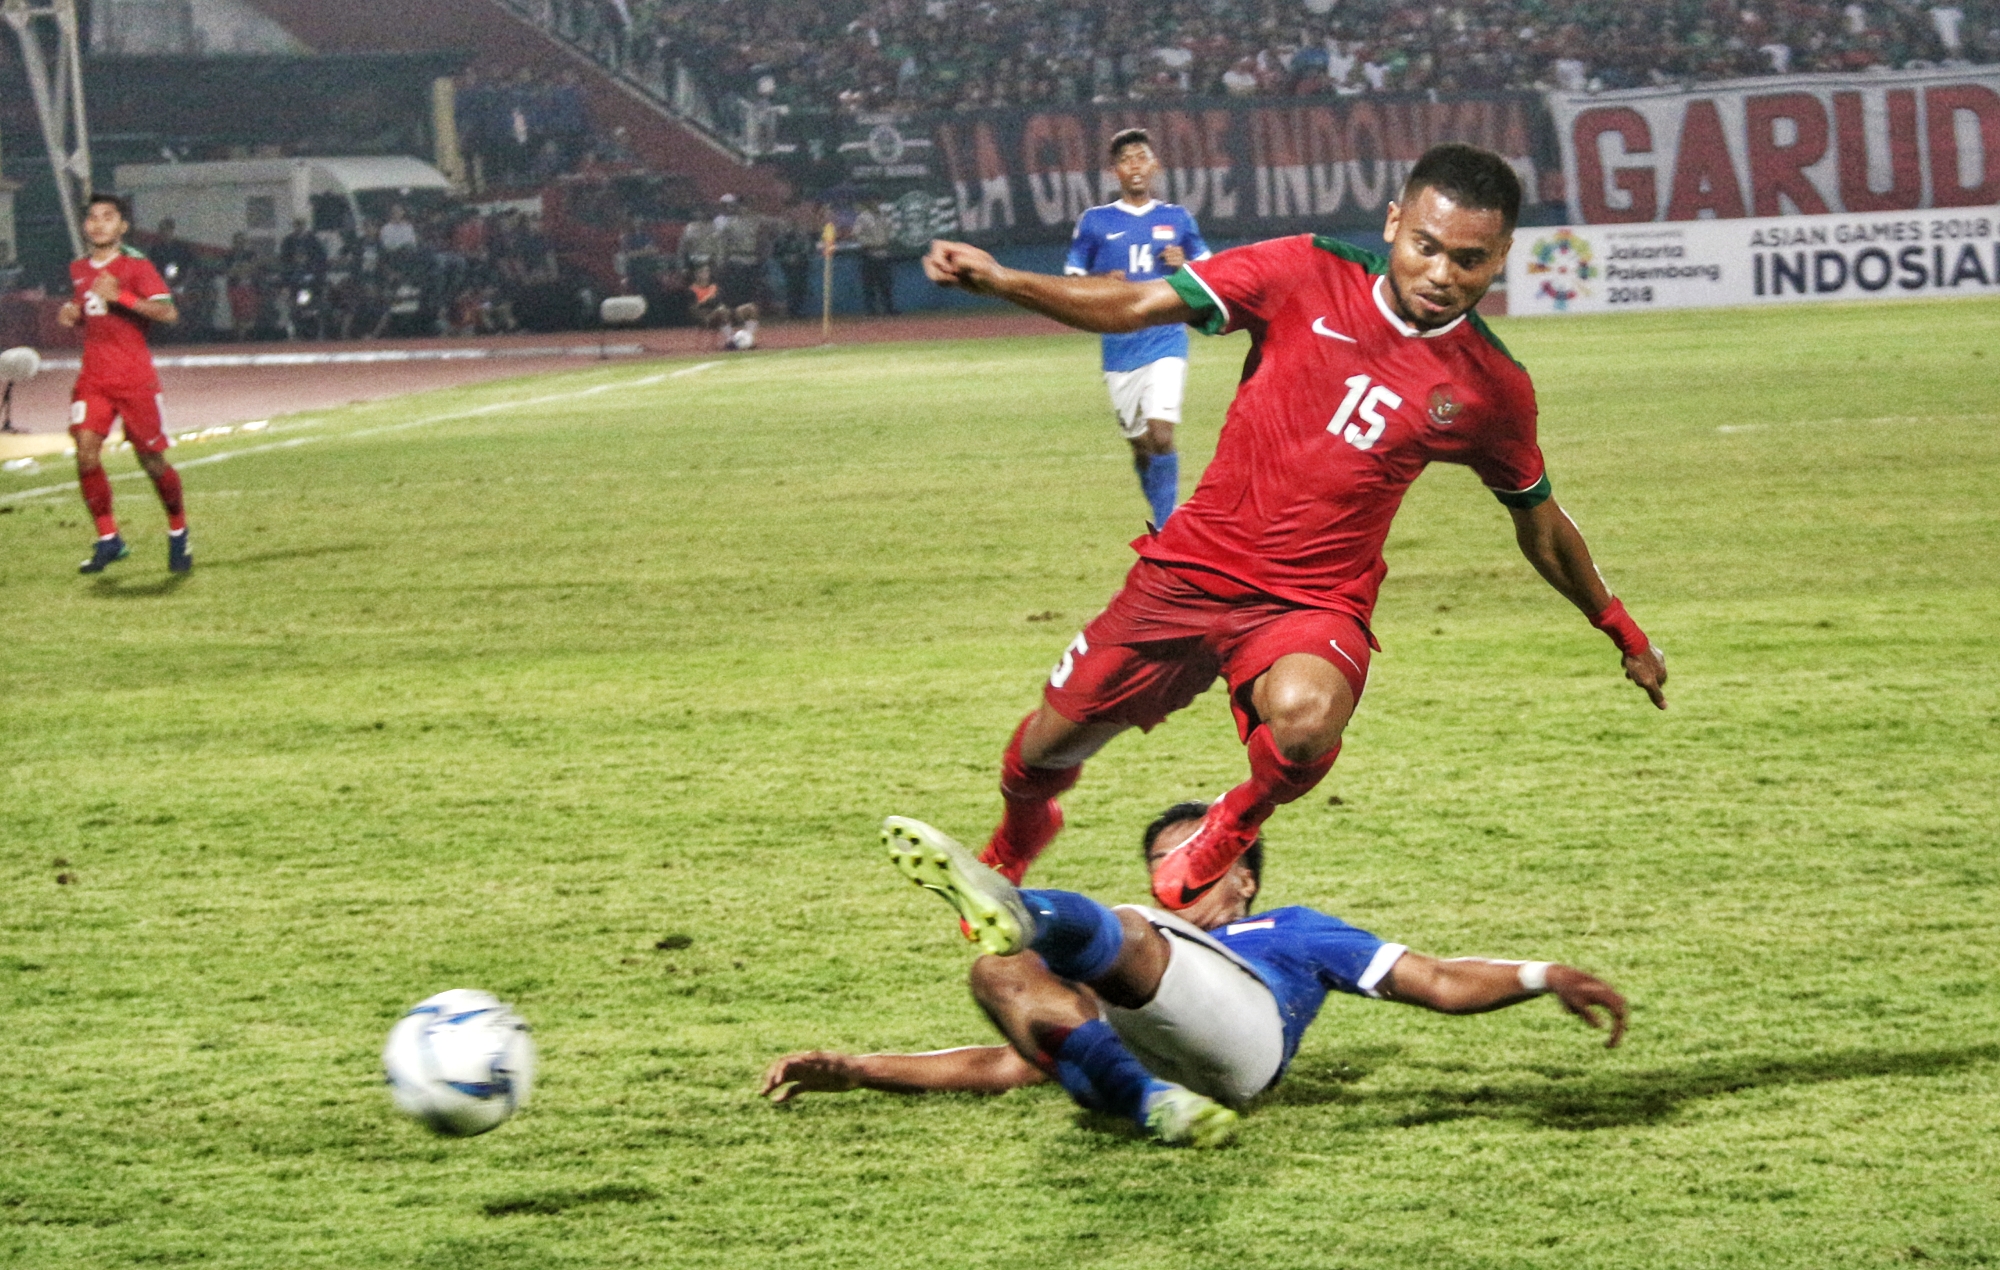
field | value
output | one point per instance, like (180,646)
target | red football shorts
(1170,632)
(92,410)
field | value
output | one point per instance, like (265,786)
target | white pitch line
(501,407)
(41,491)
(497,407)
(215,361)
(207,459)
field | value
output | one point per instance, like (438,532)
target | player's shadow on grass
(1329,1078)
(125,589)
(1612,1099)
(287,553)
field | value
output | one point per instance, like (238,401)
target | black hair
(1129,137)
(1181,813)
(1470,177)
(124,206)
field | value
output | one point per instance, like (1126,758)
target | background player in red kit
(118,296)
(1362,370)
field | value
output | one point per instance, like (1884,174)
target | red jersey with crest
(1341,407)
(115,357)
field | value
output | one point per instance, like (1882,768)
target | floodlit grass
(505,699)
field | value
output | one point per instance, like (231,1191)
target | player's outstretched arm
(1472,985)
(161,311)
(1555,546)
(1097,302)
(976,1069)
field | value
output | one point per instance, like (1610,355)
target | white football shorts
(1213,1025)
(1151,392)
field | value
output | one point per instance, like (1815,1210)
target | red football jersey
(115,356)
(1341,406)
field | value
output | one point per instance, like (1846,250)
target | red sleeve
(1506,456)
(1244,285)
(146,282)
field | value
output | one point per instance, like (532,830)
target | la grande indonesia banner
(1245,171)
(1772,260)
(1801,145)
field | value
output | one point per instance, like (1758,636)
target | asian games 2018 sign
(1768,260)
(1559,268)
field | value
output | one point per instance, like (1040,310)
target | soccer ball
(742,340)
(460,1062)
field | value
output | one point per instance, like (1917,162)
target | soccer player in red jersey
(118,297)
(1362,370)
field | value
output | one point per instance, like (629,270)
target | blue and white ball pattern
(460,1062)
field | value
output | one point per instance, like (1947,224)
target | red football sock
(1031,819)
(168,484)
(97,497)
(1273,780)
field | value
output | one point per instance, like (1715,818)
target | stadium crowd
(967,54)
(455,269)
(522,129)
(448,270)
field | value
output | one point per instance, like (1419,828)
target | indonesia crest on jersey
(1133,241)
(1341,407)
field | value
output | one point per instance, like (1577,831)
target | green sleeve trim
(1533,496)
(1373,262)
(1486,332)
(1211,316)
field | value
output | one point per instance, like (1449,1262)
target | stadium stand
(587,114)
(507,45)
(967,54)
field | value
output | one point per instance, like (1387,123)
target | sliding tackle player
(1172,1021)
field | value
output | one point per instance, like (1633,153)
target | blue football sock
(1161,479)
(1101,1074)
(1076,935)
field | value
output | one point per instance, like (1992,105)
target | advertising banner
(1025,175)
(895,166)
(1777,260)
(1793,145)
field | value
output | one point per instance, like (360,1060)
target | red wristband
(1624,632)
(129,300)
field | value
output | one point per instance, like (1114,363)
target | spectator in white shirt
(398,234)
(1947,21)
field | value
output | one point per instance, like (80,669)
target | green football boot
(989,908)
(1180,1117)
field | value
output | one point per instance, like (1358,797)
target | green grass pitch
(504,687)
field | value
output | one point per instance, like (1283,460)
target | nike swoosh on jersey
(1119,234)
(1321,328)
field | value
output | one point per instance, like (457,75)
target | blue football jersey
(1302,955)
(1132,240)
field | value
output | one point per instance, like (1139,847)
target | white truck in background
(212,202)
